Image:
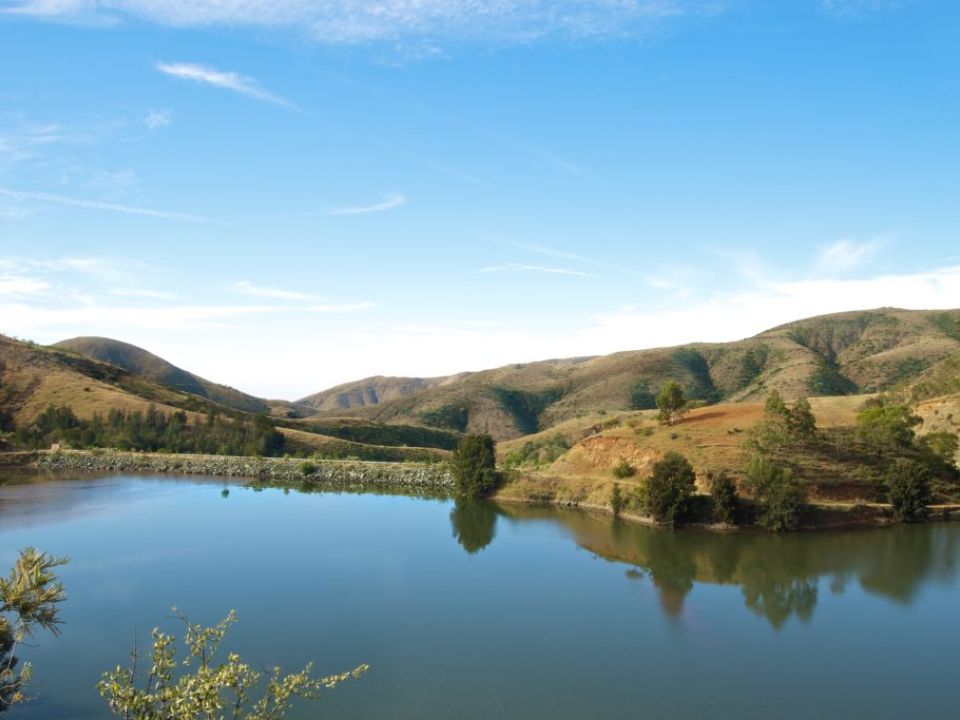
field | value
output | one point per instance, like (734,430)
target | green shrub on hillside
(668,490)
(780,498)
(908,488)
(474,466)
(723,492)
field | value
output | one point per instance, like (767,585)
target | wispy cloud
(853,8)
(342,308)
(18,285)
(141,293)
(390,201)
(429,21)
(573,257)
(517,267)
(245,287)
(50,198)
(222,79)
(156,119)
(845,256)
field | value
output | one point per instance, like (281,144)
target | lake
(483,610)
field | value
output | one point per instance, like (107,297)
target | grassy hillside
(372,391)
(841,354)
(33,378)
(149,367)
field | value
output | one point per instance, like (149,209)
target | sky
(284,195)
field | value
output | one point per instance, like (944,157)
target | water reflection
(779,576)
(474,524)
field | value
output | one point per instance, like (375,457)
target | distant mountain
(146,365)
(840,354)
(373,391)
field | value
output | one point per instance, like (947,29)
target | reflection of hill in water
(778,574)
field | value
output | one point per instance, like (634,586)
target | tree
(671,402)
(779,496)
(29,599)
(782,425)
(204,688)
(908,490)
(885,426)
(724,493)
(475,466)
(669,488)
(942,446)
(801,425)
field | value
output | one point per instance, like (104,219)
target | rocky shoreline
(267,470)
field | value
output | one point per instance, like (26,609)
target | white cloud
(16,285)
(141,293)
(50,198)
(390,201)
(845,256)
(221,79)
(517,267)
(343,308)
(349,21)
(246,287)
(156,119)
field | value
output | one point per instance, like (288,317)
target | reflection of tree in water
(779,576)
(672,571)
(474,524)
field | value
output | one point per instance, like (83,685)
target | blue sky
(286,195)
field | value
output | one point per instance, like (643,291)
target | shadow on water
(778,575)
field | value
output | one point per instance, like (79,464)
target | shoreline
(337,473)
(287,471)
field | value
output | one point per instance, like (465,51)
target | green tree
(29,600)
(671,402)
(801,425)
(474,466)
(668,490)
(778,495)
(942,446)
(908,490)
(197,687)
(885,426)
(723,490)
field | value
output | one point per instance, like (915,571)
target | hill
(146,365)
(373,391)
(34,377)
(839,354)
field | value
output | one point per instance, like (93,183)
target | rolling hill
(840,354)
(146,365)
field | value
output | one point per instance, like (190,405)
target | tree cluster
(153,431)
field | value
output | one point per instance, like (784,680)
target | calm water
(484,611)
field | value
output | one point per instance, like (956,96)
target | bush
(308,468)
(197,685)
(779,496)
(623,469)
(668,490)
(724,493)
(474,466)
(616,500)
(908,490)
